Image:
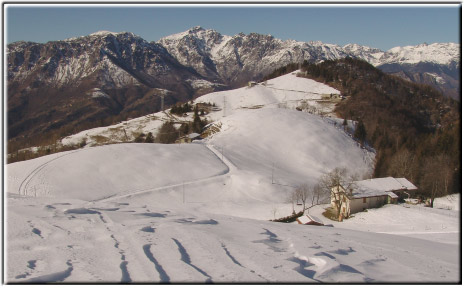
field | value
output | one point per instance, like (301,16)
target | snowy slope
(302,146)
(198,212)
(169,235)
(136,240)
(285,91)
(450,202)
(115,170)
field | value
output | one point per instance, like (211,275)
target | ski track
(185,258)
(230,256)
(164,278)
(233,259)
(125,275)
(222,158)
(25,183)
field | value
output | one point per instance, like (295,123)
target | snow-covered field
(199,212)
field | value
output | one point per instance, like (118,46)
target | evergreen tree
(140,138)
(167,133)
(184,129)
(360,132)
(149,138)
(197,122)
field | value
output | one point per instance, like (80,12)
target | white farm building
(371,193)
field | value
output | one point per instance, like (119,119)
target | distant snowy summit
(211,41)
(102,32)
(235,59)
(440,53)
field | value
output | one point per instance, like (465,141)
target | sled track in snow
(187,259)
(22,190)
(164,278)
(129,193)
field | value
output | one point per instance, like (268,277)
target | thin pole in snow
(273,168)
(224,106)
(183,192)
(161,104)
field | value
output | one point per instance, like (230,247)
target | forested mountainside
(414,128)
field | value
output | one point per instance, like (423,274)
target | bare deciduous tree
(292,199)
(274,212)
(308,196)
(402,165)
(319,196)
(438,173)
(302,193)
(337,182)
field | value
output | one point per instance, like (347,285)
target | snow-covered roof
(364,192)
(406,183)
(306,219)
(380,187)
(193,135)
(392,195)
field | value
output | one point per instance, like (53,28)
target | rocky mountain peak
(102,33)
(196,29)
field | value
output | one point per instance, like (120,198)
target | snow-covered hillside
(198,212)
(287,91)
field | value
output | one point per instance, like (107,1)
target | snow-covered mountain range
(234,59)
(125,57)
(85,80)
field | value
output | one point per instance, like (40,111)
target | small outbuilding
(330,96)
(189,138)
(309,220)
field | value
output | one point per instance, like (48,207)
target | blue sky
(377,26)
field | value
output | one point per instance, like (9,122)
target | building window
(364,200)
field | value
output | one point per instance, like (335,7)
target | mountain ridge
(93,80)
(411,59)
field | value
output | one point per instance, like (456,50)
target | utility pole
(183,192)
(224,106)
(161,97)
(126,136)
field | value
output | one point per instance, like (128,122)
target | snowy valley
(199,213)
